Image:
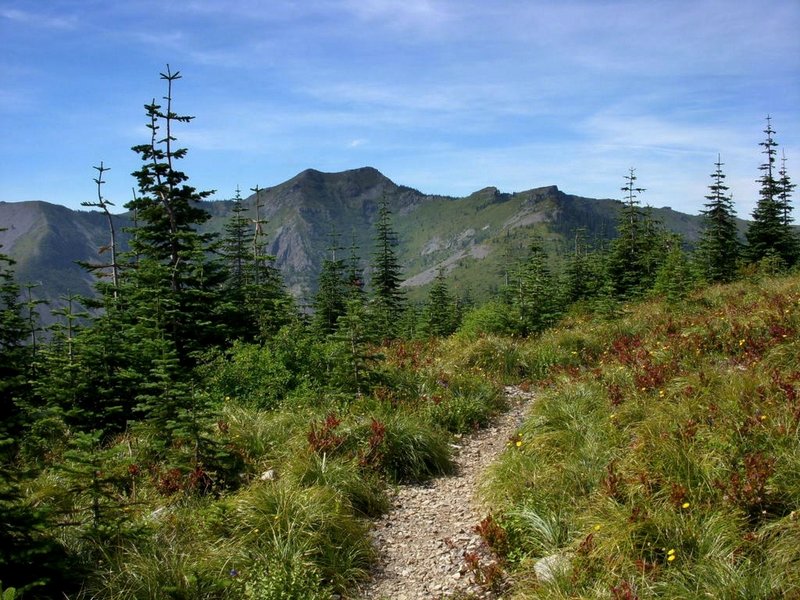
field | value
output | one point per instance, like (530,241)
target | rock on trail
(422,541)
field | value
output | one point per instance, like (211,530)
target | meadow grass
(663,461)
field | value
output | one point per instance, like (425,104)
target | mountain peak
(359,173)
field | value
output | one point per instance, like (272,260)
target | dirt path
(423,539)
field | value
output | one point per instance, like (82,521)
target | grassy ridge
(662,458)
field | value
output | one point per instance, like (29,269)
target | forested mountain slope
(473,238)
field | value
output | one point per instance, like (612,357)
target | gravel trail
(423,539)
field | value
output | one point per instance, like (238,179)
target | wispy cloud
(420,15)
(38,19)
(445,95)
(357,143)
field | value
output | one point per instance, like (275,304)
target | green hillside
(474,239)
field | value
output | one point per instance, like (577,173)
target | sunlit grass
(663,462)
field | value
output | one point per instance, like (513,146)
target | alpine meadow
(223,398)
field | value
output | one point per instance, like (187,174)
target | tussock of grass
(413,451)
(662,454)
(362,489)
(304,524)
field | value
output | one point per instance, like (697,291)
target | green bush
(492,318)
(285,578)
(252,374)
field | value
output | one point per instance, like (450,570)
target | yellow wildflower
(685,505)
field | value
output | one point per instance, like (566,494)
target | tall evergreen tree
(639,248)
(33,322)
(388,297)
(355,276)
(103,205)
(769,233)
(627,250)
(61,383)
(330,301)
(441,314)
(586,273)
(535,295)
(674,276)
(14,360)
(235,247)
(719,246)
(248,283)
(173,259)
(269,304)
(785,205)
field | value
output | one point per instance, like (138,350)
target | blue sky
(446,96)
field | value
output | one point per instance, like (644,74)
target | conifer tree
(639,247)
(769,233)
(33,322)
(586,273)
(103,205)
(100,506)
(440,317)
(388,297)
(534,295)
(29,557)
(269,304)
(61,383)
(354,277)
(246,277)
(173,260)
(352,368)
(14,359)
(108,368)
(674,277)
(331,297)
(785,205)
(719,246)
(235,247)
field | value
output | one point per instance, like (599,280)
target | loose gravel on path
(422,541)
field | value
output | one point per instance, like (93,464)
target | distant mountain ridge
(472,238)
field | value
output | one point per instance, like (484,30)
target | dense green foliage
(770,234)
(195,435)
(719,246)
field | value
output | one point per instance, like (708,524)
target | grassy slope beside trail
(284,513)
(662,459)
